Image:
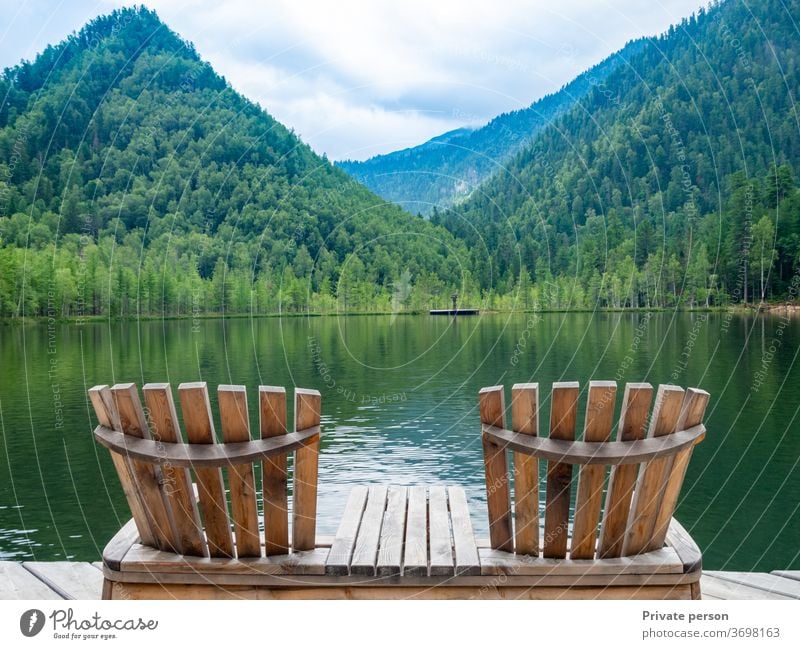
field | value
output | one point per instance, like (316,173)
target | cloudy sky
(359,78)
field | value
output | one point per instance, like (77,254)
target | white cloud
(355,78)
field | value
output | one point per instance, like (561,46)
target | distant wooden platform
(454,311)
(78,580)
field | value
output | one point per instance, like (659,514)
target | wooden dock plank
(787,574)
(18,583)
(365,554)
(464,545)
(70,579)
(441,562)
(415,561)
(345,540)
(390,548)
(712,586)
(767,582)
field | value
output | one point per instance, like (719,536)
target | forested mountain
(678,186)
(448,167)
(133,179)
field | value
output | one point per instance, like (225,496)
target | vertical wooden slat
(652,475)
(525,419)
(563,416)
(107,416)
(441,561)
(365,554)
(307,408)
(341,552)
(177,480)
(244,511)
(272,414)
(147,477)
(498,498)
(390,549)
(692,411)
(196,410)
(464,546)
(632,426)
(415,558)
(597,428)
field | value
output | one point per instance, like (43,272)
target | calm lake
(399,402)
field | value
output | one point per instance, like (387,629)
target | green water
(399,406)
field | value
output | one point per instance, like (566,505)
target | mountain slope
(449,166)
(133,178)
(677,186)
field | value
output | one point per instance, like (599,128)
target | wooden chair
(172,547)
(398,542)
(618,540)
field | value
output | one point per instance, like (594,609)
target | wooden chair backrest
(155,465)
(646,466)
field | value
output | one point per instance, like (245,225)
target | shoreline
(765,309)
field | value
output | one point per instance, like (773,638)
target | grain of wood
(591,477)
(563,417)
(344,541)
(664,561)
(525,419)
(712,586)
(307,409)
(196,410)
(768,582)
(653,475)
(498,497)
(365,554)
(621,482)
(272,415)
(787,574)
(464,547)
(18,583)
(199,592)
(106,411)
(148,478)
(390,548)
(69,579)
(682,542)
(235,423)
(415,559)
(141,558)
(178,481)
(439,538)
(692,411)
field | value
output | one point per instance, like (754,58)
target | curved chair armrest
(633,452)
(203,455)
(681,541)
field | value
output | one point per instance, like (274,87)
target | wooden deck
(80,580)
